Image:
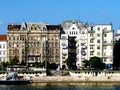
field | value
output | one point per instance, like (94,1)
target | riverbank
(73,79)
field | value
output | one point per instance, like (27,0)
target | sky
(57,11)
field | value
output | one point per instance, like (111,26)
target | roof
(53,27)
(3,37)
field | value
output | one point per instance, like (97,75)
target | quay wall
(74,79)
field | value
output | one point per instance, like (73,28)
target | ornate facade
(80,42)
(34,42)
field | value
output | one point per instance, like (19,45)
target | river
(63,86)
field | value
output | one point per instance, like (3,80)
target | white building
(117,36)
(89,40)
(100,42)
(3,48)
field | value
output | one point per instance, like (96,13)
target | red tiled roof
(3,37)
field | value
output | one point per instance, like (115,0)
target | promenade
(74,79)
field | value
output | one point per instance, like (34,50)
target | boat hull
(12,82)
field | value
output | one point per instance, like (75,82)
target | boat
(12,78)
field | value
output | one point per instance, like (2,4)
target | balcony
(64,45)
(105,43)
(83,38)
(107,31)
(91,31)
(64,52)
(84,47)
(31,61)
(31,54)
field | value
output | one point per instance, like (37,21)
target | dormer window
(44,28)
(31,28)
(35,28)
(92,28)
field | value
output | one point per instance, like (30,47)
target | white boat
(12,78)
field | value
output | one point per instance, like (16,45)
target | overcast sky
(55,11)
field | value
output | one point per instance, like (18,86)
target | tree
(96,63)
(86,63)
(71,64)
(38,64)
(53,66)
(14,61)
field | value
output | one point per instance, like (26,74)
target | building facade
(37,42)
(3,48)
(34,42)
(117,36)
(80,42)
(100,43)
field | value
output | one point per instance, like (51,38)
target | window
(3,45)
(105,35)
(91,35)
(105,41)
(13,38)
(92,28)
(3,59)
(31,28)
(9,38)
(76,32)
(73,28)
(98,28)
(98,41)
(98,35)
(35,28)
(91,41)
(17,38)
(98,53)
(3,52)
(98,47)
(104,47)
(104,53)
(91,52)
(72,32)
(91,47)
(104,59)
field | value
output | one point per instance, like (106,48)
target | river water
(63,86)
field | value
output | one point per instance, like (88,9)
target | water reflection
(63,86)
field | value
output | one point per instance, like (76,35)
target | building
(3,48)
(37,42)
(73,42)
(34,42)
(80,42)
(117,35)
(100,43)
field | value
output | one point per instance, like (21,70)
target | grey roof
(67,24)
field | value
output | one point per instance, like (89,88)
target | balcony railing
(91,31)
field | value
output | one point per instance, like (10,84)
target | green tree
(53,66)
(14,61)
(86,63)
(38,64)
(96,63)
(46,63)
(70,63)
